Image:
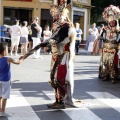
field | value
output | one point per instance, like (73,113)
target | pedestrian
(15,32)
(102,30)
(35,30)
(40,32)
(39,36)
(78,37)
(97,46)
(24,37)
(30,41)
(93,32)
(2,33)
(5,77)
(46,35)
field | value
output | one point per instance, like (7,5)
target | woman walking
(24,38)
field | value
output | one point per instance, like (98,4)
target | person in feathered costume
(63,45)
(111,38)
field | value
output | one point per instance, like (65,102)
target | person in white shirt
(39,36)
(24,37)
(40,32)
(93,32)
(15,32)
(46,35)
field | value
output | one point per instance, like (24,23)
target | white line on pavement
(107,99)
(82,113)
(19,109)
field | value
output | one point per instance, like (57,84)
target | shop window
(11,14)
(46,18)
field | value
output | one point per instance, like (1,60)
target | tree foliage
(96,12)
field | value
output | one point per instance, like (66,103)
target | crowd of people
(25,36)
(28,36)
(94,41)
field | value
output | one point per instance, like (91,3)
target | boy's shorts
(5,89)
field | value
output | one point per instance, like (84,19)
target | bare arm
(34,49)
(10,31)
(20,31)
(37,28)
(11,60)
(31,51)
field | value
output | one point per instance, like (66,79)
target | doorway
(11,14)
(46,18)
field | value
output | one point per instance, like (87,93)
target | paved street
(31,92)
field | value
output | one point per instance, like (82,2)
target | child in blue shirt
(5,76)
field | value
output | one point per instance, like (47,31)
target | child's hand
(21,58)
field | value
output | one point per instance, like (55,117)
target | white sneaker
(10,54)
(16,54)
(35,57)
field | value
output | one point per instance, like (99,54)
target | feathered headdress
(60,2)
(111,11)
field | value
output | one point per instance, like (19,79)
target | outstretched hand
(24,57)
(21,58)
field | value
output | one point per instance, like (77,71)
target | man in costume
(109,58)
(63,43)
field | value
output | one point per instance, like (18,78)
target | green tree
(96,12)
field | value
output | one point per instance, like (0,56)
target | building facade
(27,9)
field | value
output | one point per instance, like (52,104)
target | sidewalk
(82,51)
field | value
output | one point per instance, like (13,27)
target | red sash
(61,74)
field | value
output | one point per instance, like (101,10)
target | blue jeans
(77,43)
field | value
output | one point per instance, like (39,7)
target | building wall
(85,6)
(36,7)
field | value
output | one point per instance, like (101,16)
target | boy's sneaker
(4,114)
